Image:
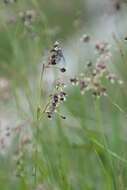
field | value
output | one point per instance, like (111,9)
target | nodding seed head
(56,55)
(62,99)
(62,94)
(74,80)
(125,38)
(86,38)
(49,116)
(63,70)
(92,79)
(102,66)
(117,6)
(55,98)
(63,117)
(89,64)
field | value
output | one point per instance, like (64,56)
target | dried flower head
(92,79)
(56,54)
(28,17)
(125,38)
(74,81)
(86,38)
(58,95)
(56,98)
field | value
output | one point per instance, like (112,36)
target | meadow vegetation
(65,128)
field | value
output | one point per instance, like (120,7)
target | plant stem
(101,129)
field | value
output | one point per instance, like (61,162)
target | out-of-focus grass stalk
(120,50)
(44,20)
(101,129)
(99,118)
(40,91)
(37,119)
(108,184)
(117,106)
(120,181)
(61,160)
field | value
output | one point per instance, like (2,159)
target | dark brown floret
(49,116)
(55,98)
(86,38)
(74,80)
(63,70)
(83,84)
(61,99)
(117,6)
(54,104)
(102,66)
(56,55)
(95,93)
(97,46)
(102,89)
(89,64)
(8,134)
(63,117)
(62,93)
(94,73)
(53,62)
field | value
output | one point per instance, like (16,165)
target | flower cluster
(56,98)
(56,56)
(59,95)
(92,79)
(86,38)
(27,17)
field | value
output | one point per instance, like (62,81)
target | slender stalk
(120,181)
(44,20)
(40,88)
(117,106)
(37,120)
(61,166)
(98,114)
(120,49)
(113,154)
(101,129)
(109,184)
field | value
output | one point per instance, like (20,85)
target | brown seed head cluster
(28,17)
(56,98)
(86,38)
(92,79)
(56,54)
(59,95)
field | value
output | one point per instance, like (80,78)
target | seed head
(63,70)
(63,117)
(74,80)
(86,38)
(92,79)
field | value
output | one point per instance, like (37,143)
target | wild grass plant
(71,133)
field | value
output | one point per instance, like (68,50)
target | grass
(87,150)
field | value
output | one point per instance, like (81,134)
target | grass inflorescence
(63,131)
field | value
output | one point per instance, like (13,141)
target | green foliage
(87,151)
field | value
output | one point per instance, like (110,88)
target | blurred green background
(72,153)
